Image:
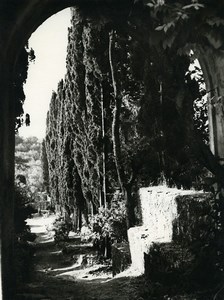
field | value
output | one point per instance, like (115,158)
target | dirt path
(60,276)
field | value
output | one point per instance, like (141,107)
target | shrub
(108,226)
(61,229)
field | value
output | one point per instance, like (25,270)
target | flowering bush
(108,226)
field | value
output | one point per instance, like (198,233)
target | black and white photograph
(111,150)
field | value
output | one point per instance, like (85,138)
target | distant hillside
(28,162)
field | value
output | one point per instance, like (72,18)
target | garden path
(65,276)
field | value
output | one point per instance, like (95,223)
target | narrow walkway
(64,276)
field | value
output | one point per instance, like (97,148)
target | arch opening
(11,56)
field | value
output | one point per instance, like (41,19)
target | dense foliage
(122,117)
(186,25)
(45,167)
(25,57)
(108,226)
(129,112)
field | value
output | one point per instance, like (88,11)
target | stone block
(140,239)
(159,212)
(194,256)
(159,209)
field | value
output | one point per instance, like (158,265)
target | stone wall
(181,241)
(160,212)
(194,257)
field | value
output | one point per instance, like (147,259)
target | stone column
(212,63)
(7,142)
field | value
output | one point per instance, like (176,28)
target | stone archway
(213,66)
(19,20)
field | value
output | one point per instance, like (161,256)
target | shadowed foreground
(58,276)
(66,275)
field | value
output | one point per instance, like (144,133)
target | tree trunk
(124,185)
(130,213)
(104,191)
(116,119)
